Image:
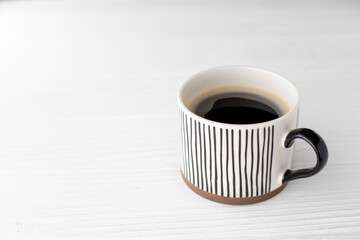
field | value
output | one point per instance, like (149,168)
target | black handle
(319,146)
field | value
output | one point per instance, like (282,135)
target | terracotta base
(231,200)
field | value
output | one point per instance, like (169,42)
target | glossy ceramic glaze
(241,161)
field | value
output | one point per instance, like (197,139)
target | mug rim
(232,125)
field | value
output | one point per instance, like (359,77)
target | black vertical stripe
(221,167)
(258,163)
(267,160)
(240,170)
(263,163)
(186,146)
(186,150)
(205,167)
(271,155)
(227,163)
(210,161)
(181,113)
(233,162)
(192,155)
(246,179)
(252,163)
(215,160)
(196,154)
(201,185)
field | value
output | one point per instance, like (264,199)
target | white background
(89,145)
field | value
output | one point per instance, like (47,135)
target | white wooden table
(88,111)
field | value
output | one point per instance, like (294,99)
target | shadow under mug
(242,163)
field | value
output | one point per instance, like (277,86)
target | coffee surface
(237,108)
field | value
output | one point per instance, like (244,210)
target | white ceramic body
(233,160)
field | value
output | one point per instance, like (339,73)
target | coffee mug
(242,163)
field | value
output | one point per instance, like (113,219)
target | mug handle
(319,146)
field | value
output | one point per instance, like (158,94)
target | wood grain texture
(89,138)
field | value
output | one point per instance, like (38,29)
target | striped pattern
(227,162)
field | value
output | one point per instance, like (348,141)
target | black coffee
(237,108)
